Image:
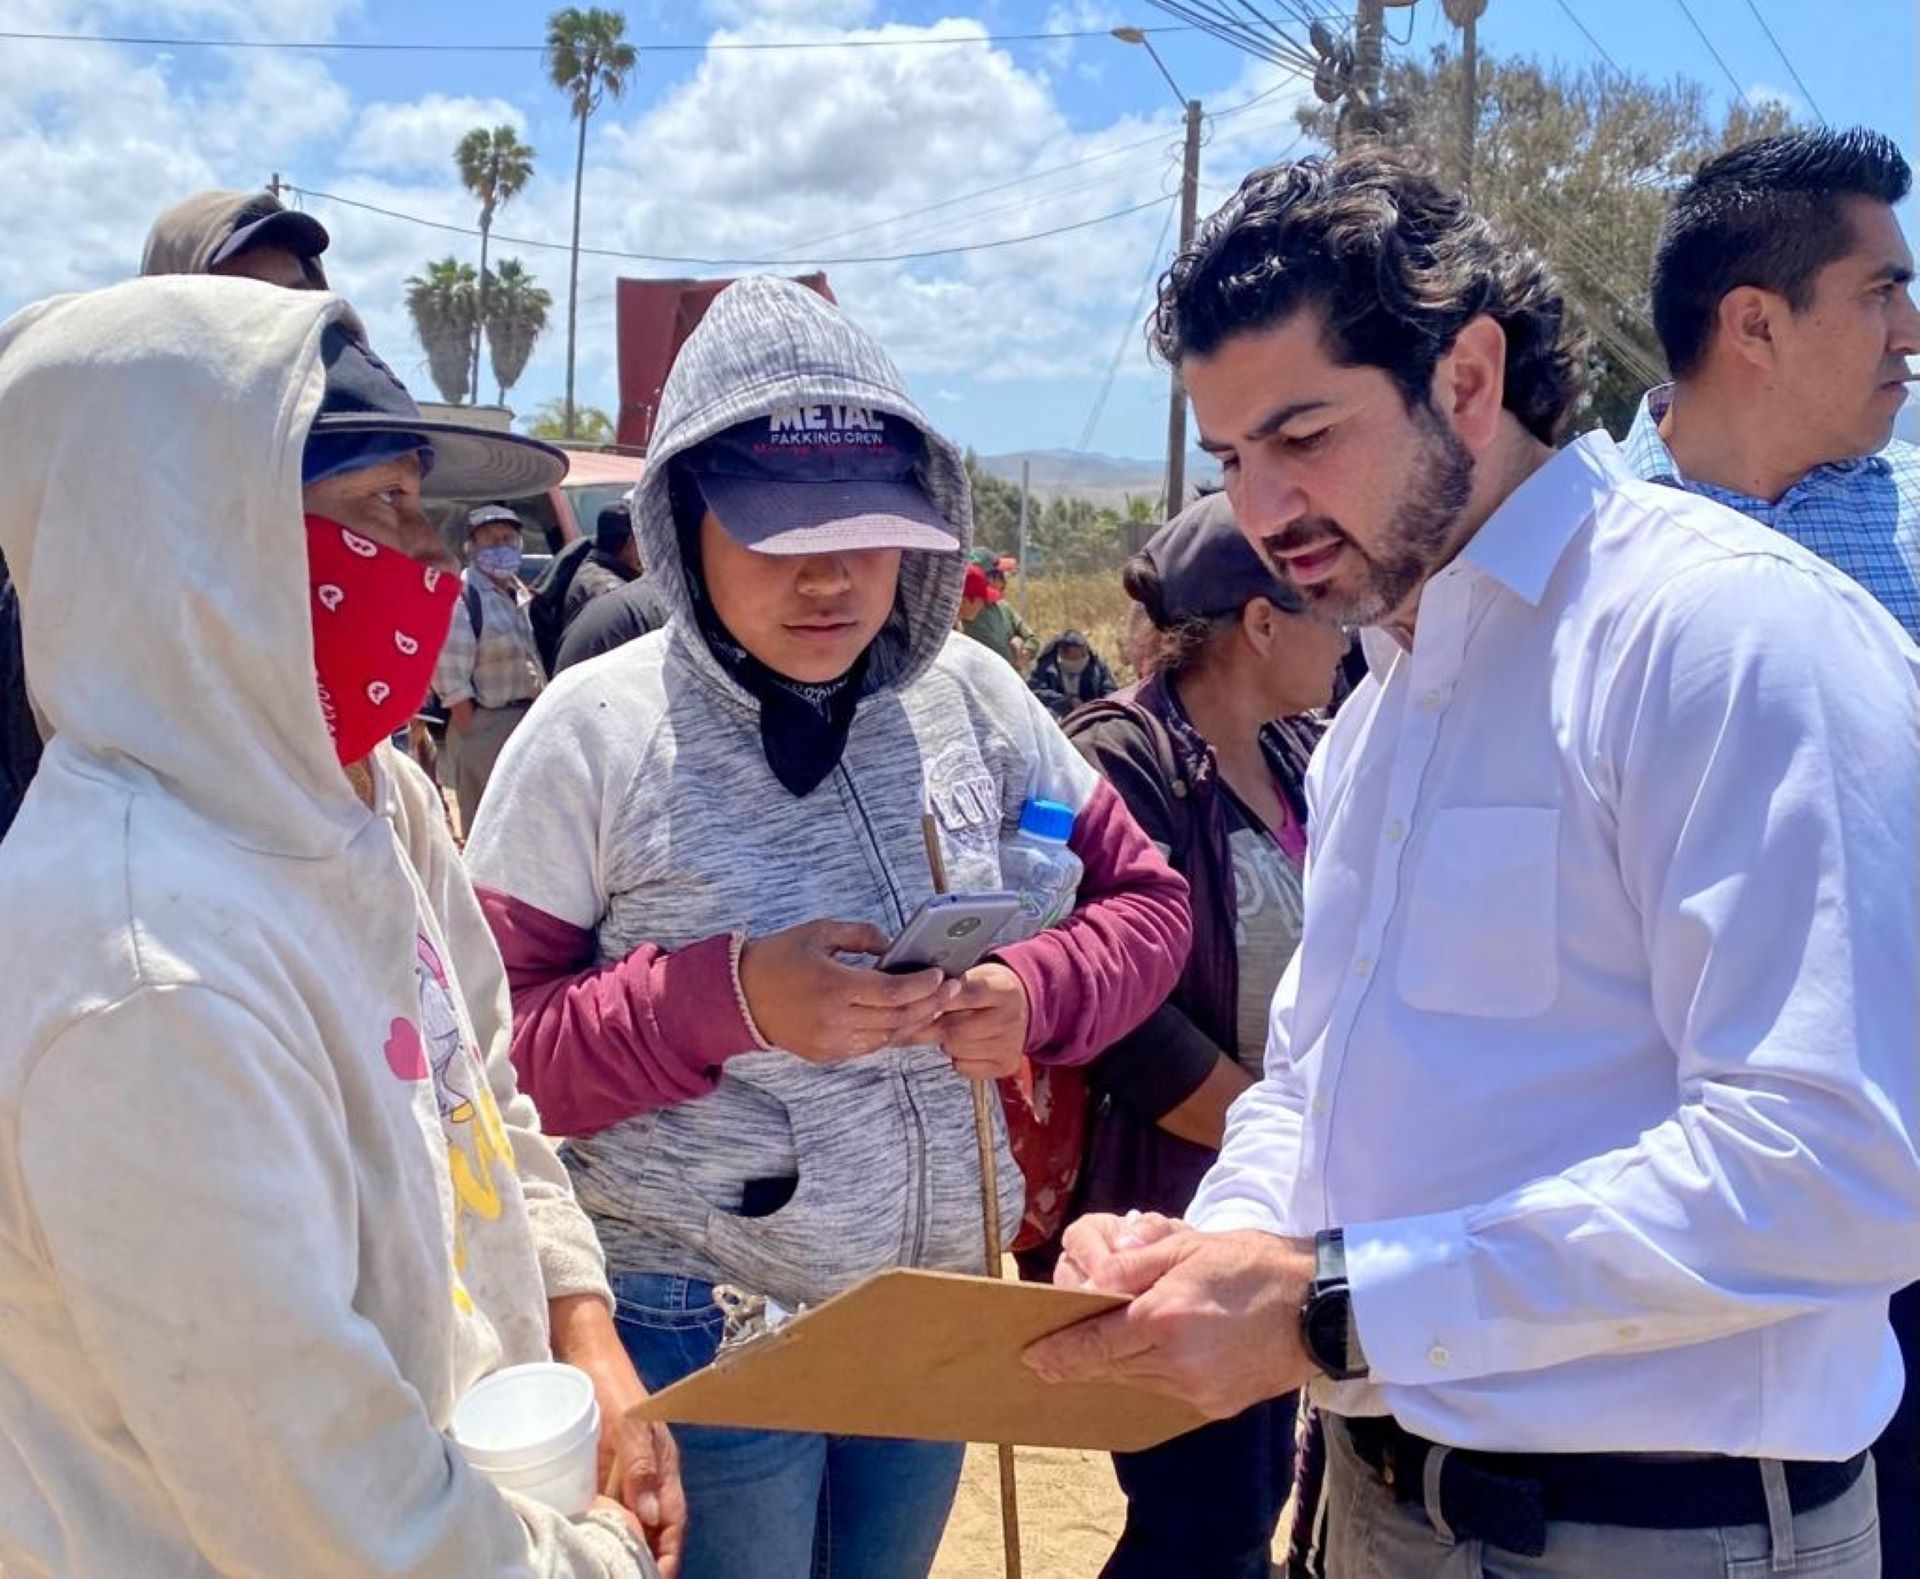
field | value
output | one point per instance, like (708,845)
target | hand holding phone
(952,932)
(807,1000)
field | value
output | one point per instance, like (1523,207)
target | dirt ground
(1070,1514)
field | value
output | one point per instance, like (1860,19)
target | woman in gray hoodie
(688,836)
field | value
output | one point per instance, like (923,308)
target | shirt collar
(1523,539)
(1647,456)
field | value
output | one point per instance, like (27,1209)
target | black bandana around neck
(803,727)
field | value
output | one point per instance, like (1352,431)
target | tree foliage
(588,59)
(517,310)
(495,167)
(591,425)
(443,302)
(1579,165)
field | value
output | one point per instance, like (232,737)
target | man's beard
(1429,507)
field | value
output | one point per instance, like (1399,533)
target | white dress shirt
(1603,1040)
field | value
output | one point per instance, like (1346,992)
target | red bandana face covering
(380,619)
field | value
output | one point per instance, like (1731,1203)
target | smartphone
(952,931)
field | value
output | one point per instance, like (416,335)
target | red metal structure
(653,319)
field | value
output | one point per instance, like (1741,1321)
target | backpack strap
(470,595)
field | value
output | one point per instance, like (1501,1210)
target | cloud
(420,136)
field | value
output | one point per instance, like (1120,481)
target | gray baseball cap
(210,228)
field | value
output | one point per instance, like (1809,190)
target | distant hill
(1104,479)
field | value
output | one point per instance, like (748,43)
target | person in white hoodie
(270,1200)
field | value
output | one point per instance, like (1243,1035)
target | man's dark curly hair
(1395,264)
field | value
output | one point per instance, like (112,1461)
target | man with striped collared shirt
(1781,292)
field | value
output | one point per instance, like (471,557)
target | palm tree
(588,57)
(516,318)
(590,423)
(442,300)
(494,166)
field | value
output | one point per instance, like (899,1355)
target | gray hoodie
(633,838)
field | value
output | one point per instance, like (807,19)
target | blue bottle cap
(1047,819)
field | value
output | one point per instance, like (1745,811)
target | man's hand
(1091,1243)
(808,1001)
(1215,1319)
(460,716)
(638,1458)
(984,1028)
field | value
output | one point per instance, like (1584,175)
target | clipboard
(928,1355)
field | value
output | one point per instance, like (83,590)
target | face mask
(502,560)
(380,619)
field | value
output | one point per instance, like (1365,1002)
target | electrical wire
(1587,34)
(22,35)
(724,263)
(1787,60)
(1127,332)
(1687,11)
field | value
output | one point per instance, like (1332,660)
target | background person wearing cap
(988,618)
(490,670)
(693,839)
(234,913)
(1210,755)
(1069,673)
(243,234)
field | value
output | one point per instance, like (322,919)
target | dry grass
(1093,604)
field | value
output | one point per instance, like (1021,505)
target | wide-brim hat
(468,462)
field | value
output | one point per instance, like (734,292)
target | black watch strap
(1326,1318)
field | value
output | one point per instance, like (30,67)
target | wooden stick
(990,1223)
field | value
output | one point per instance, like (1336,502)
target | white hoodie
(266,1208)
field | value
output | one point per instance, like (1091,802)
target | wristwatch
(1326,1315)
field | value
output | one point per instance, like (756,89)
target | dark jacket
(1060,694)
(19,735)
(1143,743)
(605,623)
(598,575)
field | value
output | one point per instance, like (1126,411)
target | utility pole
(273,186)
(1177,405)
(1360,114)
(1465,15)
(1026,477)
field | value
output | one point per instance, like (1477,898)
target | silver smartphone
(952,931)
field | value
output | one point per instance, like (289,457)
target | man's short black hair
(1395,263)
(1768,214)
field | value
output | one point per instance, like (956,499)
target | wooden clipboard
(929,1355)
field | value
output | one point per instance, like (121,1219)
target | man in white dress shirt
(1583,1166)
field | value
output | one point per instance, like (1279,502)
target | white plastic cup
(534,1429)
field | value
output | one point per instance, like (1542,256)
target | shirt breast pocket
(1482,933)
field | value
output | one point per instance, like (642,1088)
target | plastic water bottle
(1038,865)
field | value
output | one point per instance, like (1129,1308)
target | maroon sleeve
(1112,963)
(594,1044)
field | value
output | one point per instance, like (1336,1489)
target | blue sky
(782,153)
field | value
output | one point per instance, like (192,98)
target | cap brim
(827,517)
(468,463)
(301,234)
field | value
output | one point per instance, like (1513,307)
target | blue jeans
(783,1504)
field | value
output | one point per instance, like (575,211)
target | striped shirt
(1861,516)
(499,665)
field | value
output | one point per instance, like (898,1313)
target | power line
(1787,60)
(443,47)
(725,263)
(1127,330)
(1687,11)
(1587,34)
